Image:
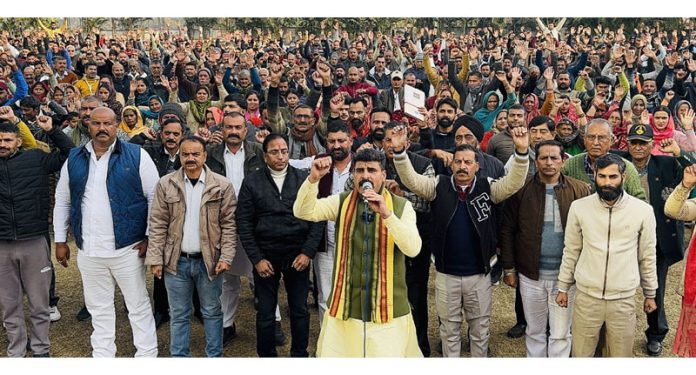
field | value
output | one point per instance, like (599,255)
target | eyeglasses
(278,152)
(599,138)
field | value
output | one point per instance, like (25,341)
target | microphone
(366,185)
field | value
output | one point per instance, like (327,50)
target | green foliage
(131,23)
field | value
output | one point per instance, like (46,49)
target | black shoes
(654,348)
(229,334)
(279,335)
(83,314)
(160,319)
(517,331)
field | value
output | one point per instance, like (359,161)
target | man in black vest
(464,236)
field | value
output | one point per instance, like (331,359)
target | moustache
(190,162)
(102,133)
(170,142)
(4,149)
(233,136)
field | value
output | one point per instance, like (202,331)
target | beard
(339,154)
(445,123)
(378,134)
(609,193)
(356,123)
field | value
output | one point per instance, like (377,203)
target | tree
(89,23)
(131,23)
(206,23)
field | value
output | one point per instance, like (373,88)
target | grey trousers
(25,268)
(469,296)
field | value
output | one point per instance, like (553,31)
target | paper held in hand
(413,99)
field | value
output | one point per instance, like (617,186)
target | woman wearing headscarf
(107,94)
(152,111)
(569,136)
(638,104)
(662,125)
(619,127)
(195,109)
(680,109)
(139,92)
(499,125)
(492,106)
(40,90)
(132,122)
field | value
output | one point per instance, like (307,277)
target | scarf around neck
(307,138)
(198,110)
(382,266)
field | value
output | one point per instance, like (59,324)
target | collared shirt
(98,239)
(397,103)
(338,181)
(171,160)
(588,168)
(191,240)
(234,167)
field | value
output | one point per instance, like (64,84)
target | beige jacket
(679,207)
(610,251)
(218,230)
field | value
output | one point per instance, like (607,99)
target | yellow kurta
(345,338)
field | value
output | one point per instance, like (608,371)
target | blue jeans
(190,272)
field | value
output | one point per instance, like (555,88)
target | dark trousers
(657,320)
(266,294)
(159,297)
(519,309)
(417,274)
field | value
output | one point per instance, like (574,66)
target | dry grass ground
(70,338)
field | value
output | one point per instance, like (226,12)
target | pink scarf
(659,135)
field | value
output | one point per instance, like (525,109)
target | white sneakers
(55,314)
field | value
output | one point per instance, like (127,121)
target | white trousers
(464,295)
(99,277)
(323,271)
(540,310)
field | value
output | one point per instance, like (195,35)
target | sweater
(575,167)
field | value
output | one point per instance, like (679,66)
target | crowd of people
(558,160)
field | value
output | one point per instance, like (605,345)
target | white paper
(413,99)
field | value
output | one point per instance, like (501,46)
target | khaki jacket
(217,223)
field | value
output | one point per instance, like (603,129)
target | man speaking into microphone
(368,312)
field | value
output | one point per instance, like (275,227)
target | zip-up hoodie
(610,250)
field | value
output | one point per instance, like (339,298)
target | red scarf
(685,339)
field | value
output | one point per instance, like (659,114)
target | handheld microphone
(366,185)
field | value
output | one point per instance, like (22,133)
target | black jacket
(160,156)
(266,225)
(24,189)
(664,173)
(253,158)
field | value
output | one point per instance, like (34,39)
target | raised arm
(678,206)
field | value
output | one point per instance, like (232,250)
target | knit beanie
(172,108)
